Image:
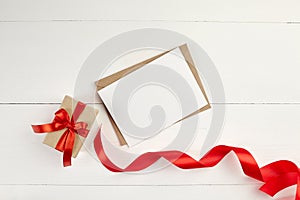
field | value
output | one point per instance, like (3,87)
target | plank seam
(91,103)
(131,20)
(132,185)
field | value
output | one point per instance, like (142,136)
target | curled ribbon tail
(276,176)
(102,156)
(68,148)
(65,145)
(276,184)
(280,175)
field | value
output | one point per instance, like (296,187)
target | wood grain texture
(258,63)
(269,136)
(194,192)
(167,10)
(255,46)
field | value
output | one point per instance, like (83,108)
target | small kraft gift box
(70,127)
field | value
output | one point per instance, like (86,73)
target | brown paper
(88,115)
(102,83)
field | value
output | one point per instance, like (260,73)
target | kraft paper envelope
(107,84)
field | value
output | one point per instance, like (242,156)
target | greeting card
(169,66)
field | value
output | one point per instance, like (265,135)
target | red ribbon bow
(275,176)
(62,121)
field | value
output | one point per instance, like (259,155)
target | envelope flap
(102,83)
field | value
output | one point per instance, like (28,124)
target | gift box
(69,128)
(180,60)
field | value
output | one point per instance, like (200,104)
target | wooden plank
(269,131)
(258,63)
(191,10)
(195,192)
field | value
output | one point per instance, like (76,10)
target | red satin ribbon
(62,121)
(275,176)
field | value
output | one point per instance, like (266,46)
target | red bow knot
(62,121)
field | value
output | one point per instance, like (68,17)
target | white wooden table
(255,46)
